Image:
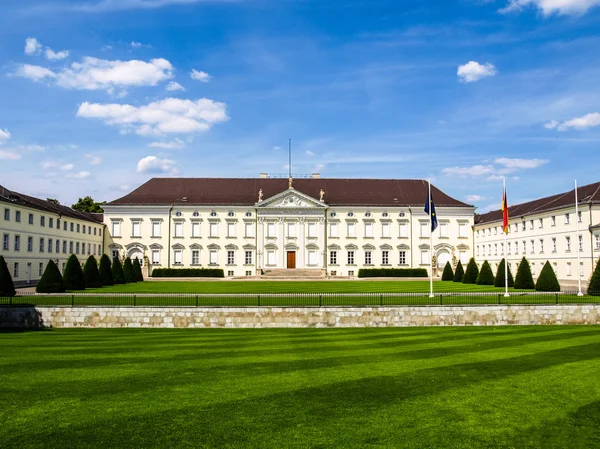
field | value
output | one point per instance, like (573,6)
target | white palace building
(253,225)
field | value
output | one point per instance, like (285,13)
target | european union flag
(434,222)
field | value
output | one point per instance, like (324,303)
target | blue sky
(98,96)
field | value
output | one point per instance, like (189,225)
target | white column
(321,242)
(301,242)
(260,243)
(281,242)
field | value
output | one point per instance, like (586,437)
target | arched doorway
(443,256)
(136,253)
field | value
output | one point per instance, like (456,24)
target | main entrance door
(291,259)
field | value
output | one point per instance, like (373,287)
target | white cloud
(32,46)
(168,116)
(587,121)
(497,171)
(473,71)
(511,165)
(549,7)
(200,76)
(94,160)
(475,170)
(4,136)
(277,148)
(152,164)
(9,155)
(54,56)
(475,198)
(48,165)
(120,5)
(310,153)
(136,44)
(95,74)
(79,175)
(172,145)
(174,85)
(124,187)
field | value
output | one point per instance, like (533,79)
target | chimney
(316,175)
(263,175)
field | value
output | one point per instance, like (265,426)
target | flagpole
(430,241)
(579,293)
(506,295)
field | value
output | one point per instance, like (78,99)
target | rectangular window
(50,222)
(230,273)
(403,230)
(83,230)
(443,229)
(270,257)
(495,249)
(581,243)
(350,257)
(291,229)
(99,250)
(230,229)
(532,243)
(214,230)
(78,227)
(530,224)
(462,230)
(477,251)
(553,244)
(64,264)
(248,258)
(42,221)
(541,245)
(30,219)
(17,243)
(385,230)
(333,230)
(230,257)
(249,229)
(116,228)
(50,245)
(58,224)
(178,257)
(65,226)
(178,229)
(385,257)
(508,248)
(533,268)
(18,216)
(569,269)
(424,257)
(41,269)
(155,229)
(29,244)
(71,248)
(76,247)
(567,219)
(16,270)
(579,216)
(155,256)
(195,257)
(597,241)
(115,252)
(332,257)
(524,226)
(516,247)
(7,214)
(541,223)
(368,258)
(136,230)
(95,229)
(553,220)
(196,229)
(64,244)
(312,229)
(312,258)
(5,242)
(212,257)
(402,257)
(368,230)
(580,269)
(351,230)
(524,247)
(72,228)
(90,249)
(568,243)
(424,229)
(41,245)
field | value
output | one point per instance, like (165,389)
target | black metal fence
(295,299)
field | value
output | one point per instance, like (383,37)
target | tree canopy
(88,204)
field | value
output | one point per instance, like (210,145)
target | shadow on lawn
(22,318)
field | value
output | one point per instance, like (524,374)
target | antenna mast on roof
(291,181)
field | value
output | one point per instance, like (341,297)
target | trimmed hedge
(594,286)
(448,275)
(74,278)
(470,276)
(105,271)
(91,273)
(188,273)
(117,271)
(393,273)
(524,279)
(7,287)
(459,273)
(547,282)
(499,282)
(51,281)
(486,275)
(137,270)
(128,271)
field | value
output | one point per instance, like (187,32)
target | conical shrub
(117,271)
(51,281)
(91,273)
(524,280)
(105,271)
(74,278)
(500,278)
(128,271)
(447,275)
(486,275)
(459,272)
(137,270)
(7,287)
(470,276)
(547,281)
(594,285)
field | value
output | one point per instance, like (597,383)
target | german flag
(504,212)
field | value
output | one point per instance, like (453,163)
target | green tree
(447,275)
(7,287)
(547,282)
(486,275)
(524,279)
(459,272)
(105,271)
(470,276)
(74,278)
(594,285)
(499,281)
(137,270)
(51,281)
(128,271)
(117,271)
(88,204)
(91,273)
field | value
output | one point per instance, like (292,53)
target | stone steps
(291,273)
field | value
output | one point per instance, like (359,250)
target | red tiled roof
(244,191)
(588,194)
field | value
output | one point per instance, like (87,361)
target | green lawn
(513,387)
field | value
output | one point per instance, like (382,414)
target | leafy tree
(524,280)
(7,288)
(547,282)
(499,282)
(91,273)
(486,276)
(105,271)
(88,204)
(128,271)
(594,285)
(459,272)
(137,270)
(117,271)
(447,275)
(74,278)
(470,276)
(51,281)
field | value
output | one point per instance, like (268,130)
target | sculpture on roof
(260,195)
(321,195)
(290,182)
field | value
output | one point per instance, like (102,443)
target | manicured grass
(513,387)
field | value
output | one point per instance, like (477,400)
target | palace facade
(251,225)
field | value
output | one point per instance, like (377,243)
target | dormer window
(248,214)
(385,214)
(178,214)
(351,214)
(230,213)
(196,214)
(332,214)
(213,214)
(367,214)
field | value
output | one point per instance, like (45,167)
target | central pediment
(291,199)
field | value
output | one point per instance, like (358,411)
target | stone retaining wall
(263,317)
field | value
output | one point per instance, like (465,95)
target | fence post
(134,300)
(196,300)
(72,300)
(381,299)
(320,300)
(258,300)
